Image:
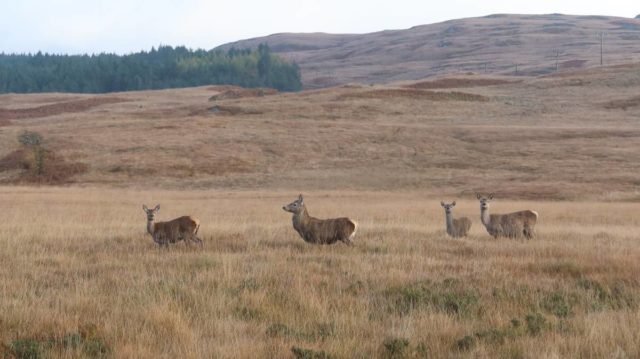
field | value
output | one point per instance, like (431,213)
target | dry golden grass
(79,277)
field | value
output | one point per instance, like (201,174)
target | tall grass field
(80,277)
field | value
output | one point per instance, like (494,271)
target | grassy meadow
(81,278)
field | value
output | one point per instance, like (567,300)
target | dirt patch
(234,92)
(458,82)
(4,122)
(57,108)
(414,94)
(622,104)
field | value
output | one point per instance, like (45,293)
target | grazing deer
(320,231)
(181,228)
(511,225)
(458,227)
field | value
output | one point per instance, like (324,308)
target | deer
(320,231)
(510,225)
(456,227)
(181,228)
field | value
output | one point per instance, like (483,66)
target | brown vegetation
(446,83)
(414,94)
(81,278)
(56,170)
(489,45)
(234,92)
(623,104)
(57,108)
(533,138)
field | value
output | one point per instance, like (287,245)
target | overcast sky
(124,26)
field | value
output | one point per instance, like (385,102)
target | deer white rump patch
(355,229)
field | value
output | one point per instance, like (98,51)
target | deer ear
(454,203)
(157,208)
(491,196)
(300,198)
(442,203)
(144,207)
(478,195)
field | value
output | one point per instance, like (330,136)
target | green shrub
(448,297)
(26,348)
(466,343)
(395,347)
(302,353)
(536,323)
(557,304)
(279,330)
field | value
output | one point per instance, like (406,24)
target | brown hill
(493,44)
(570,135)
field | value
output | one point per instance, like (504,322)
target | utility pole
(601,41)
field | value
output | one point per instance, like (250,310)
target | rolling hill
(494,44)
(563,136)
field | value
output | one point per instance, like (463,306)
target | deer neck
(301,218)
(484,216)
(151,228)
(449,221)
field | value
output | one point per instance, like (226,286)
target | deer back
(176,229)
(521,218)
(327,231)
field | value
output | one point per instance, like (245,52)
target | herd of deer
(329,231)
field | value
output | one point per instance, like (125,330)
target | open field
(569,136)
(79,277)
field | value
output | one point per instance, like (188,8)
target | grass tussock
(81,278)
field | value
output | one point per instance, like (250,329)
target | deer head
(484,201)
(295,206)
(447,207)
(151,212)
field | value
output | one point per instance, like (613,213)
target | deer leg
(196,240)
(528,232)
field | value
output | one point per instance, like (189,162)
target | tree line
(164,67)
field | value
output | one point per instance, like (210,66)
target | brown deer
(511,225)
(458,227)
(320,231)
(181,228)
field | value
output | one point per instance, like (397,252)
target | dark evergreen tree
(162,67)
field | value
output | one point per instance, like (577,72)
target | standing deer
(320,231)
(181,228)
(511,225)
(458,227)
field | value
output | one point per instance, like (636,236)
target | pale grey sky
(124,26)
